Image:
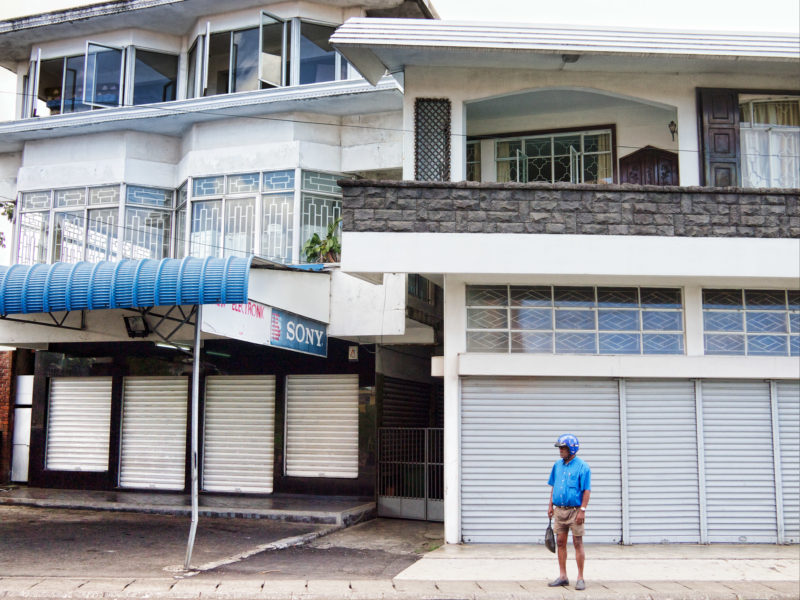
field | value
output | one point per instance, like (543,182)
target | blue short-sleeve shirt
(569,481)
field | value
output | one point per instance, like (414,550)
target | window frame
(121,80)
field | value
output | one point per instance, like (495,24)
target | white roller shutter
(789,419)
(322,426)
(740,483)
(78,424)
(509,426)
(663,486)
(239,434)
(154,413)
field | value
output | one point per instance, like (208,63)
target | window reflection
(155,77)
(317,56)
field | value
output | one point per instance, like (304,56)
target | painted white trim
(671,367)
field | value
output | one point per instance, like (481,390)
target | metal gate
(411,473)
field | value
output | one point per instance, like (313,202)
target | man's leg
(580,555)
(561,543)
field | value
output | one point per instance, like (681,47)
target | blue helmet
(570,441)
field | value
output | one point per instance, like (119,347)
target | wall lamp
(137,327)
(673,129)
(570,58)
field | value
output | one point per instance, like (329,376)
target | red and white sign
(247,322)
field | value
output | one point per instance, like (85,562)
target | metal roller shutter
(405,403)
(239,435)
(663,484)
(740,482)
(322,426)
(154,411)
(509,426)
(789,428)
(78,424)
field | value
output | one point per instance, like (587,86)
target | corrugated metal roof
(123,284)
(514,36)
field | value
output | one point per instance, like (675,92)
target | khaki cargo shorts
(565,520)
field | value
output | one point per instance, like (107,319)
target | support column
(458,140)
(688,142)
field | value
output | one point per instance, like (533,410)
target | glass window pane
(317,56)
(563,143)
(155,77)
(538,147)
(531,342)
(206,233)
(147,233)
(182,194)
(71,197)
(317,213)
(49,95)
(774,322)
(149,196)
(33,236)
(279,180)
(239,226)
(104,195)
(619,343)
(794,299)
(662,321)
(103,75)
(487,318)
(540,169)
(207,186)
(487,341)
(723,321)
(191,76)
(722,299)
(321,182)
(574,296)
(724,344)
(531,318)
(531,296)
(576,343)
(180,232)
(660,343)
(246,183)
(575,319)
(794,345)
(34,200)
(618,320)
(765,299)
(271,52)
(219,58)
(617,297)
(73,86)
(245,60)
(767,345)
(508,149)
(68,234)
(794,322)
(487,295)
(277,227)
(101,237)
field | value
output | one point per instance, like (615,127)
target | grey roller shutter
(405,403)
(740,482)
(663,496)
(789,419)
(78,424)
(154,411)
(322,426)
(239,434)
(509,426)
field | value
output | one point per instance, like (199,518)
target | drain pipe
(198,318)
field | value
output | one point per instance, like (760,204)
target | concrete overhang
(375,46)
(339,98)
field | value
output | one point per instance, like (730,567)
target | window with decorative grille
(432,140)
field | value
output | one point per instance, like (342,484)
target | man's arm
(550,507)
(584,504)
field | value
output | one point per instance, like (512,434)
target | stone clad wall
(572,209)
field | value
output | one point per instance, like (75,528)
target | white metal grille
(147,233)
(662,462)
(154,432)
(509,426)
(79,424)
(322,426)
(239,434)
(277,228)
(239,226)
(740,482)
(789,419)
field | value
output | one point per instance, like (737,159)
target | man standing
(571,483)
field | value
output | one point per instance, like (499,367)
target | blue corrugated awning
(123,284)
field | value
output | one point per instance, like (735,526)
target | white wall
(372,142)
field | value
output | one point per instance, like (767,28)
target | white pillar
(458,140)
(454,344)
(693,311)
(688,142)
(408,136)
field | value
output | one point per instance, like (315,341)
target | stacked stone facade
(465,207)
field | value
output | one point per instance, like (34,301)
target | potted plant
(325,249)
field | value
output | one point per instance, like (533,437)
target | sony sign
(297,333)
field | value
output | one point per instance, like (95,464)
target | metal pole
(198,317)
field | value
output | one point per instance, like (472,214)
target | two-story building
(192,130)
(613,217)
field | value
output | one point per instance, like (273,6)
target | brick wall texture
(467,207)
(6,374)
